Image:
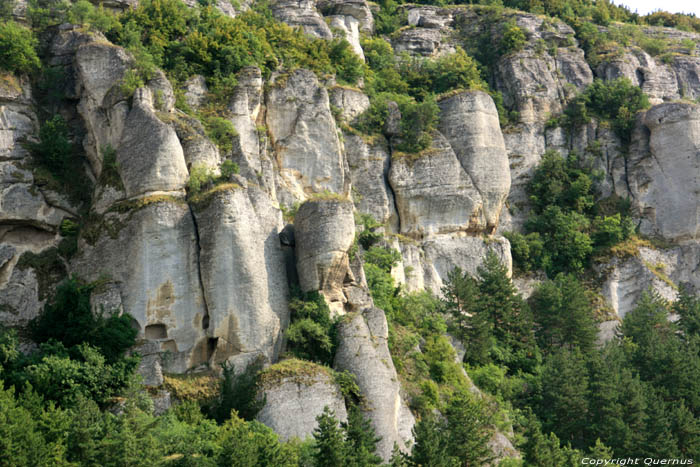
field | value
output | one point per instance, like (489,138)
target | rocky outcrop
(148,248)
(295,393)
(350,102)
(243,275)
(662,171)
(369,168)
(469,121)
(164,168)
(324,231)
(304,137)
(301,13)
(434,194)
(363,350)
(244,109)
(661,271)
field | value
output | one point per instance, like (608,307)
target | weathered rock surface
(304,137)
(351,102)
(293,401)
(324,231)
(149,156)
(369,169)
(665,181)
(661,271)
(151,255)
(434,194)
(243,275)
(469,121)
(363,350)
(301,13)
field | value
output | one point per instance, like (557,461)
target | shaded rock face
(665,181)
(244,109)
(29,214)
(243,275)
(151,255)
(293,403)
(363,350)
(304,137)
(324,232)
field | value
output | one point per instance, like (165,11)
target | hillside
(416,234)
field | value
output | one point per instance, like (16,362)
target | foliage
(563,313)
(565,226)
(221,132)
(239,393)
(69,320)
(513,38)
(54,149)
(616,101)
(384,258)
(17,49)
(350,443)
(312,332)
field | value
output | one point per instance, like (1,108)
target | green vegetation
(616,102)
(17,49)
(312,332)
(566,225)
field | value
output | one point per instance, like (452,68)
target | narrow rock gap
(205,318)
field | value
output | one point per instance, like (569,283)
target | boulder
(301,13)
(324,231)
(295,393)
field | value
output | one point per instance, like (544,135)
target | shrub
(200,176)
(239,393)
(384,258)
(229,168)
(17,49)
(312,332)
(54,149)
(68,319)
(513,38)
(221,131)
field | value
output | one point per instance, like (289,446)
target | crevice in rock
(390,191)
(205,318)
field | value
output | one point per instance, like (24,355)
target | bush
(312,332)
(17,49)
(68,319)
(221,131)
(54,149)
(384,258)
(513,39)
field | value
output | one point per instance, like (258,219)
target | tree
(688,309)
(472,326)
(509,314)
(17,49)
(330,448)
(563,314)
(430,447)
(469,429)
(361,440)
(564,407)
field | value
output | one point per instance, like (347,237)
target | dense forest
(536,365)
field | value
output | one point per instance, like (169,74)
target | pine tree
(564,314)
(430,447)
(473,327)
(331,448)
(361,440)
(468,429)
(688,308)
(564,407)
(509,314)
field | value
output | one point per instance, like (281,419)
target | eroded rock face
(293,402)
(324,231)
(659,270)
(150,157)
(304,137)
(301,13)
(243,275)
(665,182)
(151,255)
(369,169)
(363,350)
(434,194)
(469,121)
